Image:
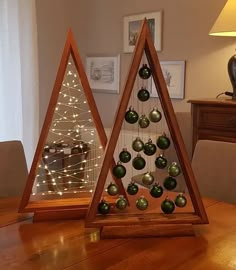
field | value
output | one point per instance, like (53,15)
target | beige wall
(98,27)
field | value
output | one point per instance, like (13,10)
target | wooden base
(62,210)
(60,214)
(137,231)
(56,204)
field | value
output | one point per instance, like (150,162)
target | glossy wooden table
(68,245)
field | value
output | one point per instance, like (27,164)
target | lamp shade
(225,24)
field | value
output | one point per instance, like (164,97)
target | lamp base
(232,74)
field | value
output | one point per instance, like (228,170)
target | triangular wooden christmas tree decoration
(70,147)
(168,219)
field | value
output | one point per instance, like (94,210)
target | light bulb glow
(68,164)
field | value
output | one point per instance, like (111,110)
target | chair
(13,169)
(213,166)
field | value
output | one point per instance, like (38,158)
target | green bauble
(156,191)
(174,169)
(147,179)
(145,72)
(143,94)
(112,189)
(103,207)
(121,203)
(119,170)
(180,200)
(131,116)
(138,162)
(155,116)
(160,162)
(132,189)
(163,142)
(137,145)
(169,183)
(167,206)
(124,156)
(142,203)
(149,148)
(143,121)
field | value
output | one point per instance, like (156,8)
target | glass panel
(72,154)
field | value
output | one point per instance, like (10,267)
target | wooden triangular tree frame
(145,44)
(70,49)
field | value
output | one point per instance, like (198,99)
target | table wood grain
(68,245)
(9,211)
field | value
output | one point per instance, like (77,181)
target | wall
(98,27)
(54,18)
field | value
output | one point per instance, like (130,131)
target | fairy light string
(72,155)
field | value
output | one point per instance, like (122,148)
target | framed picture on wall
(174,75)
(104,74)
(132,26)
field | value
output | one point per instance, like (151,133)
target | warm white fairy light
(71,120)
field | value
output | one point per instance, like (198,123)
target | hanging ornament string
(139,82)
(150,164)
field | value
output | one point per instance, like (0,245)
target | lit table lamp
(225,26)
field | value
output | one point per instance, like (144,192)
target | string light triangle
(179,222)
(70,146)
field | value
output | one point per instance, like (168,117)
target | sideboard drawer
(213,120)
(217,118)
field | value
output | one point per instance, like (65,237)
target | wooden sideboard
(213,119)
